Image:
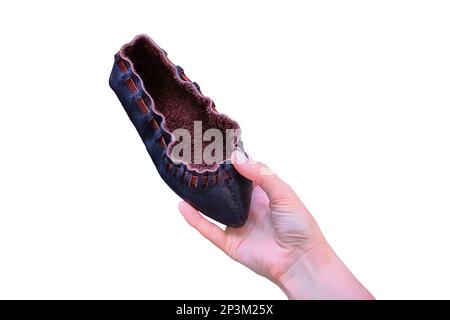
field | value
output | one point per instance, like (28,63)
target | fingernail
(240,157)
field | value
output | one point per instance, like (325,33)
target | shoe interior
(178,100)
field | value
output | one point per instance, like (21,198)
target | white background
(348,101)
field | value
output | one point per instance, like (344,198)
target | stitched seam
(140,103)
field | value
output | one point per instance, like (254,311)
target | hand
(280,240)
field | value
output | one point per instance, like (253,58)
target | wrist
(297,282)
(318,273)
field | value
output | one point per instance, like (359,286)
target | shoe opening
(181,104)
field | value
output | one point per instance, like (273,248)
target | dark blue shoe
(159,99)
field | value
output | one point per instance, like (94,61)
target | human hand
(280,240)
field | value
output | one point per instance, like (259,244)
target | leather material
(223,194)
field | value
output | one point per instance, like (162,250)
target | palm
(259,236)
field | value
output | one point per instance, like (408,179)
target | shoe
(162,103)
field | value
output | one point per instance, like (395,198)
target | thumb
(263,176)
